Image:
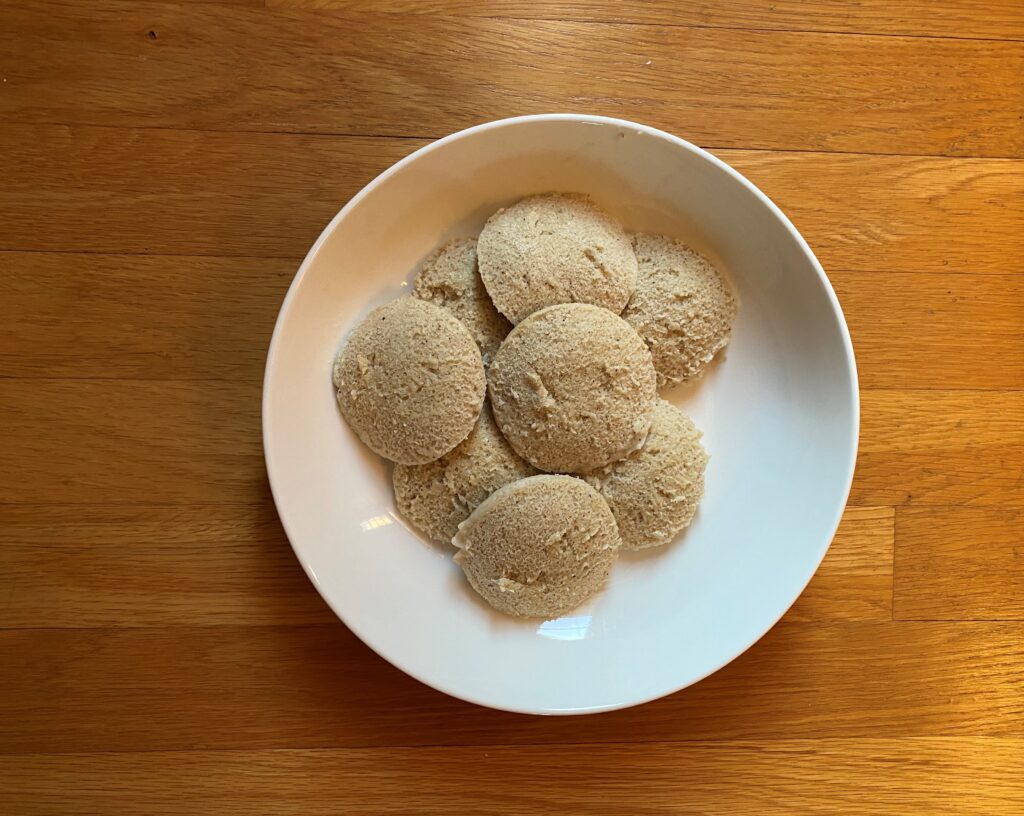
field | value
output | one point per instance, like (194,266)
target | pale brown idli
(450,279)
(572,388)
(555,248)
(682,307)
(654,492)
(438,496)
(538,547)
(410,381)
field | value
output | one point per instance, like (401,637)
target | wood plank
(908,421)
(940,448)
(150,442)
(160,65)
(997,20)
(125,565)
(138,316)
(180,442)
(935,330)
(152,191)
(121,316)
(960,563)
(959,776)
(250,3)
(140,565)
(854,582)
(143,191)
(69,690)
(887,213)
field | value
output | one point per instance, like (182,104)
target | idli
(555,248)
(538,547)
(410,381)
(654,491)
(682,307)
(450,279)
(438,496)
(573,388)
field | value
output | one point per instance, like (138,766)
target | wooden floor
(165,166)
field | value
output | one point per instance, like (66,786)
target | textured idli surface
(410,381)
(438,496)
(538,547)
(682,307)
(573,388)
(654,492)
(555,248)
(450,279)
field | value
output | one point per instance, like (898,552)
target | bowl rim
(773,208)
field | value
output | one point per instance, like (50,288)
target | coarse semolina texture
(572,388)
(538,547)
(682,307)
(410,381)
(555,248)
(654,492)
(450,279)
(438,496)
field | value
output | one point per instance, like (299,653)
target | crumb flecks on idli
(654,492)
(410,381)
(555,248)
(438,496)
(538,547)
(682,307)
(450,279)
(573,388)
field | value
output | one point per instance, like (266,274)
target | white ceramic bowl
(779,414)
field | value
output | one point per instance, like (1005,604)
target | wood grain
(232,69)
(179,192)
(252,3)
(154,191)
(935,330)
(915,215)
(998,20)
(138,316)
(876,777)
(131,441)
(941,448)
(960,563)
(81,690)
(142,565)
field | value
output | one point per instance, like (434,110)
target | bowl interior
(778,410)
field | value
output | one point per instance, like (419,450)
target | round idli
(682,307)
(573,388)
(450,279)
(410,381)
(438,496)
(555,248)
(538,547)
(654,492)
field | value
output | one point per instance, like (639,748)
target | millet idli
(555,248)
(450,279)
(654,492)
(538,547)
(410,381)
(573,388)
(438,496)
(682,307)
